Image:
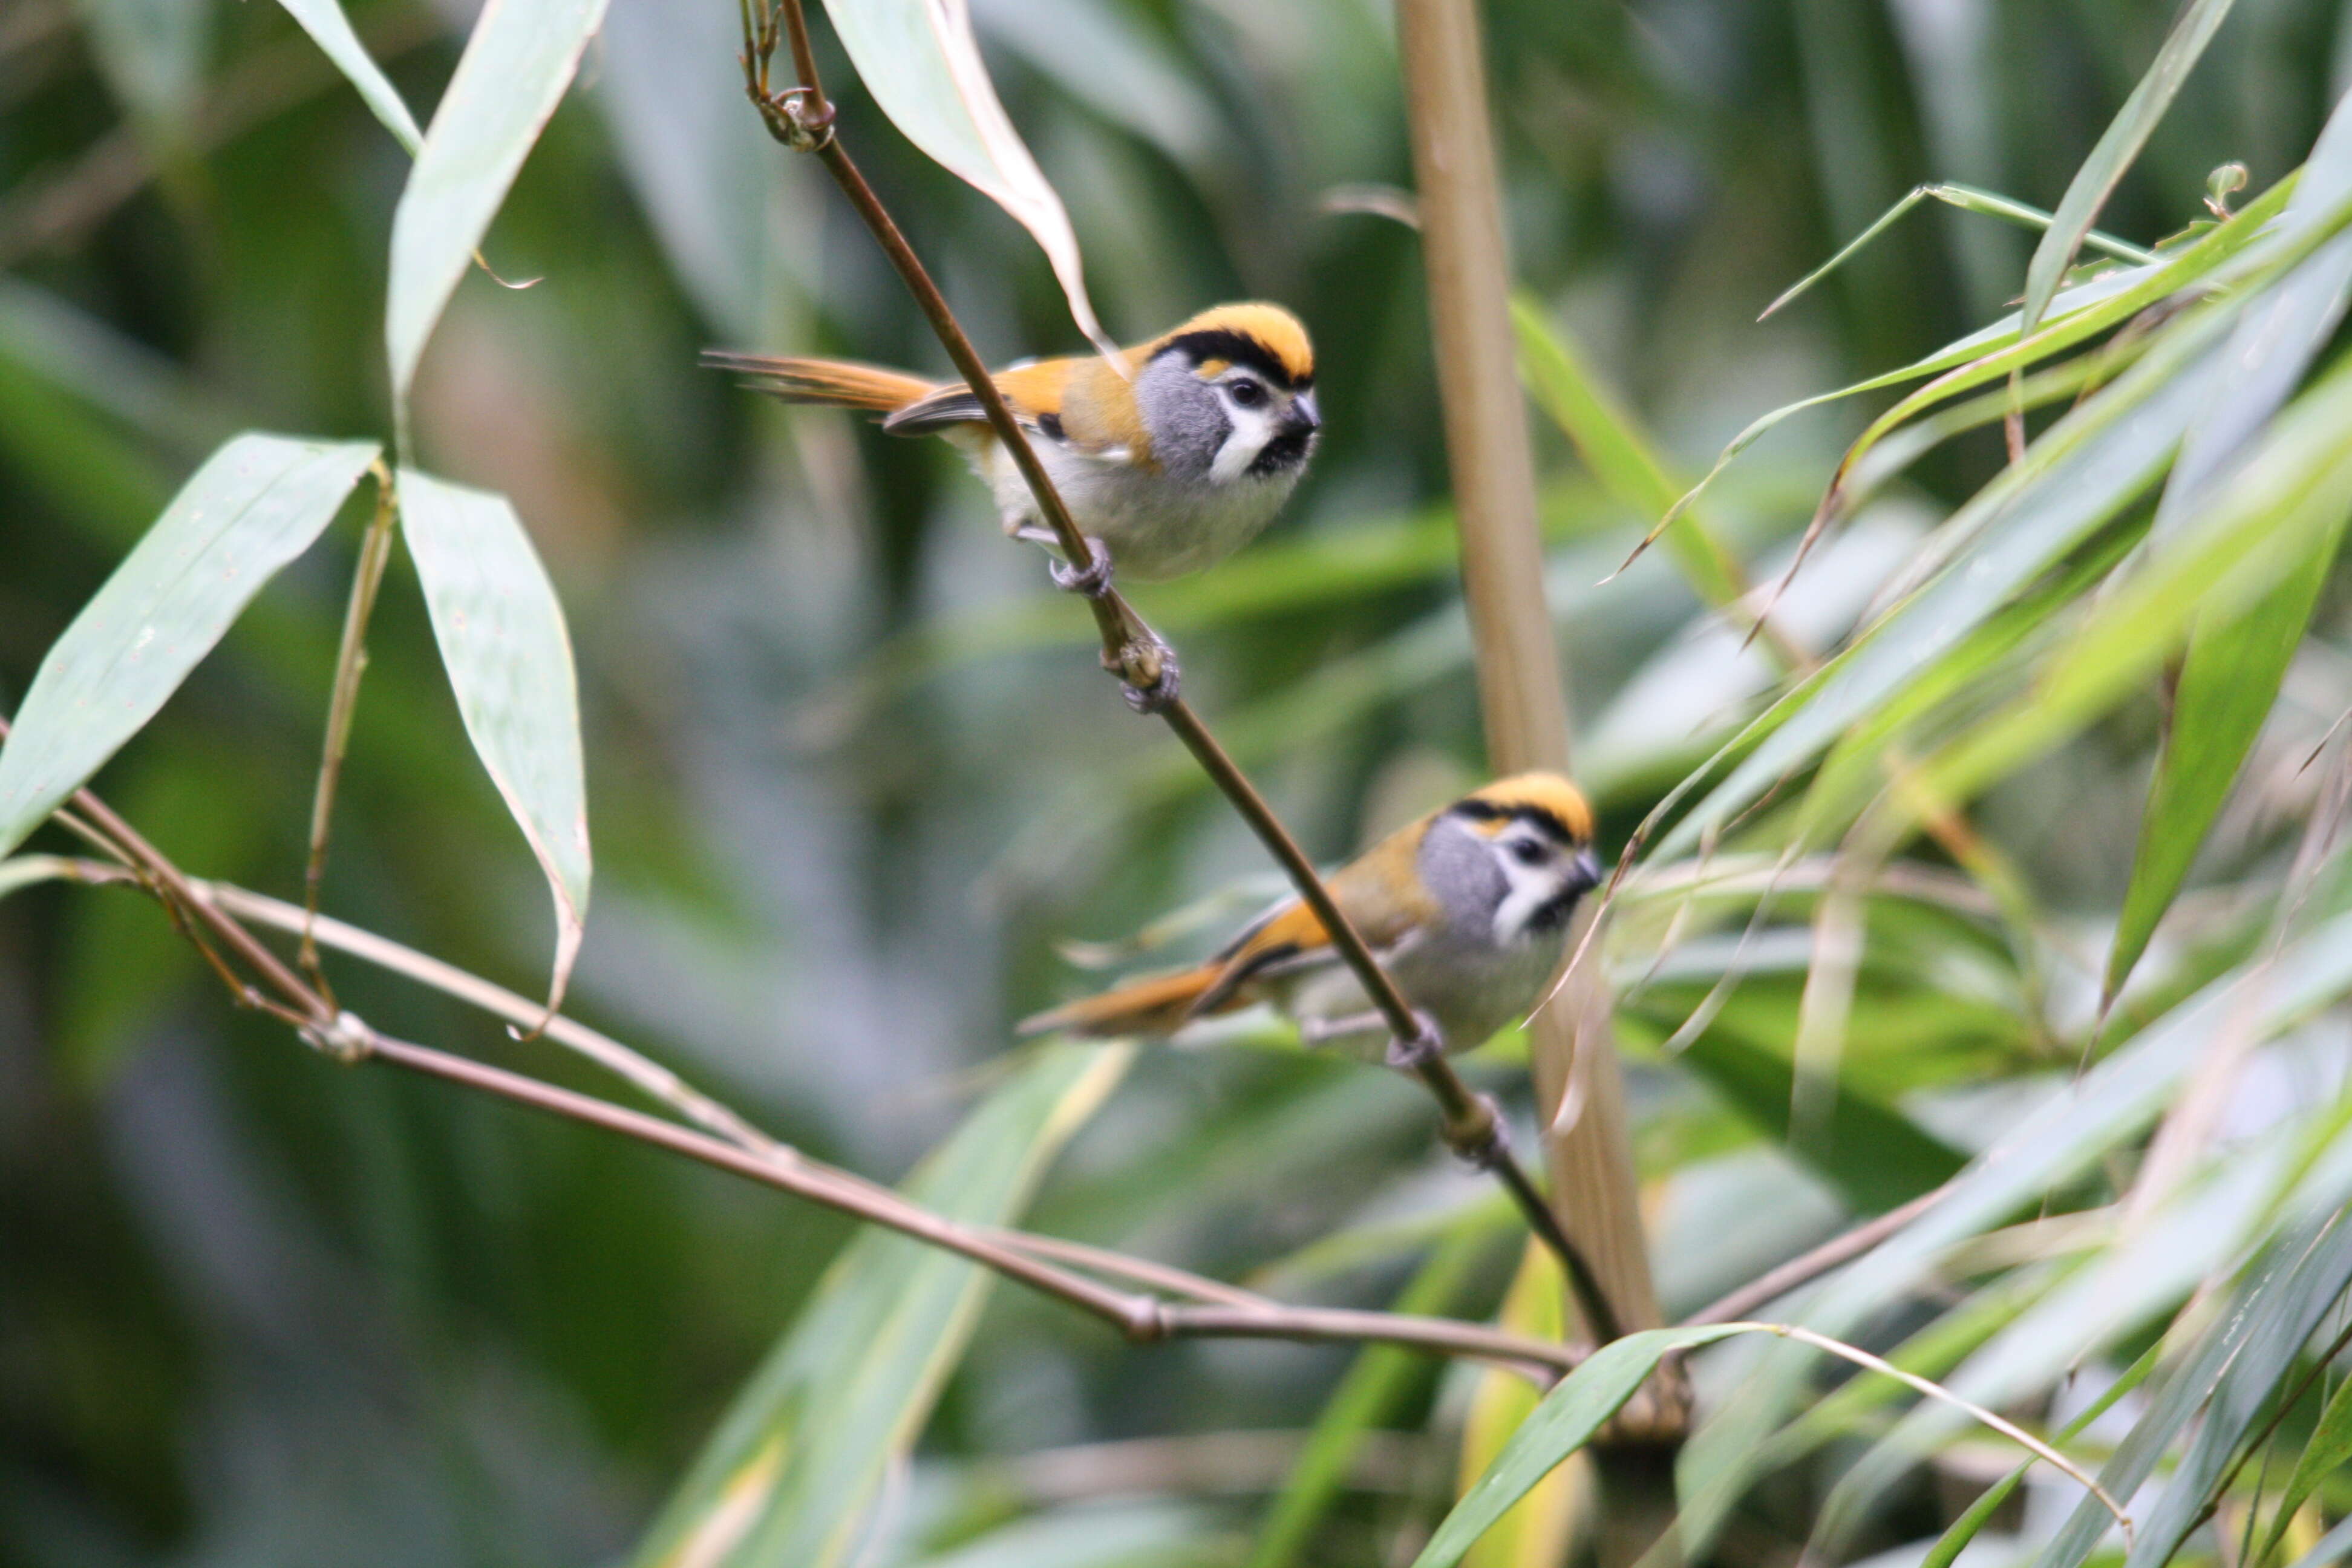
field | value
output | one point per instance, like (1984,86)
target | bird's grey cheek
(1460,871)
(1187,422)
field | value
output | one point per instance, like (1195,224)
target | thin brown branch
(350,663)
(174,885)
(802,118)
(1833,1253)
(742,1149)
(657,1082)
(1141,1318)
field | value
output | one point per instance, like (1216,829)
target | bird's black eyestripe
(1240,348)
(1535,816)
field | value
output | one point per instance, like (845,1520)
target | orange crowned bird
(1466,908)
(1174,455)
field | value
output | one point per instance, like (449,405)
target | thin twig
(802,118)
(657,1082)
(350,663)
(1140,1318)
(1228,1313)
(1832,1254)
(173,884)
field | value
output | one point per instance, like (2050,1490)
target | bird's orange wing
(1033,390)
(1381,894)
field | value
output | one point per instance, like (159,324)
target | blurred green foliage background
(853,776)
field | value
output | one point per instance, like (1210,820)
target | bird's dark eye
(1528,852)
(1245,393)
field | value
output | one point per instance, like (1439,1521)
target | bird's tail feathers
(840,383)
(1151,1007)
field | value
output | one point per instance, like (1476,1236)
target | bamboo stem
(350,663)
(1519,687)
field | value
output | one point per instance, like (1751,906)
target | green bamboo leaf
(2095,179)
(1614,447)
(1566,1420)
(1367,1396)
(2229,680)
(2076,476)
(2088,308)
(514,71)
(2288,503)
(1955,1540)
(332,31)
(2120,1288)
(2050,1146)
(2329,1448)
(919,60)
(508,657)
(2224,1385)
(787,1478)
(253,507)
(2235,240)
(2231,674)
(1968,199)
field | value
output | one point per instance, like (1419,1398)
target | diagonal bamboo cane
(801,117)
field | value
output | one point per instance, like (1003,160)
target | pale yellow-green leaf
(921,61)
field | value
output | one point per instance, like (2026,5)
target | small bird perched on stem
(1466,908)
(1172,456)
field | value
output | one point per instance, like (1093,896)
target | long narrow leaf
(2114,1101)
(790,1474)
(2288,504)
(519,59)
(2077,475)
(508,658)
(253,507)
(2329,1448)
(332,31)
(1964,1529)
(1368,1395)
(2229,677)
(2089,308)
(2232,669)
(1537,1530)
(919,60)
(1613,446)
(1564,1423)
(2095,179)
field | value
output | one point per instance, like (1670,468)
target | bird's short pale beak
(1588,871)
(1304,416)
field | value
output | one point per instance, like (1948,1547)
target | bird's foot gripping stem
(1147,673)
(1092,579)
(1427,1045)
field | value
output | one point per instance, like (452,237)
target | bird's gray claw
(1093,581)
(1426,1047)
